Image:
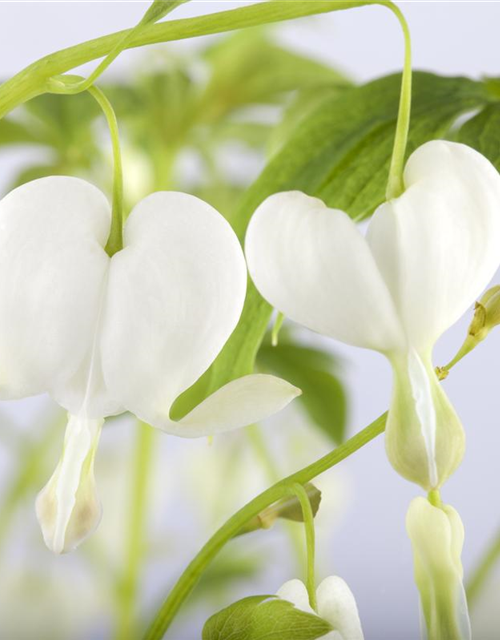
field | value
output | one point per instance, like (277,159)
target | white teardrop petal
(313,265)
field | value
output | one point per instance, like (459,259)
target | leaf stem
(308,515)
(197,566)
(129,584)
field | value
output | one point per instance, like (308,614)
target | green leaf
(340,153)
(301,107)
(482,132)
(311,370)
(264,617)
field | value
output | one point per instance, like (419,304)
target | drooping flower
(103,335)
(336,605)
(427,256)
(437,538)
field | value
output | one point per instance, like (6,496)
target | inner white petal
(425,410)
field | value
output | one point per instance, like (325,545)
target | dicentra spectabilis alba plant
(129,332)
(426,258)
(335,604)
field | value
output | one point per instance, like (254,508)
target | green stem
(278,323)
(84,84)
(63,86)
(395,185)
(115,240)
(483,571)
(308,515)
(129,585)
(197,566)
(33,80)
(262,451)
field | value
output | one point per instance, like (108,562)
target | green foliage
(313,371)
(264,617)
(482,132)
(250,69)
(13,132)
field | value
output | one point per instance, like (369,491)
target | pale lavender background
(369,547)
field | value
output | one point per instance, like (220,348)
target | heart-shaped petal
(438,245)
(313,264)
(175,294)
(52,270)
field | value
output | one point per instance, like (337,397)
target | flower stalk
(307,512)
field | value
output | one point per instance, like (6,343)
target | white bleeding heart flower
(437,538)
(103,335)
(426,257)
(336,605)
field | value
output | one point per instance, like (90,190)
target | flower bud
(425,440)
(68,508)
(486,317)
(288,508)
(437,537)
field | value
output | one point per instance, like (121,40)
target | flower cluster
(128,333)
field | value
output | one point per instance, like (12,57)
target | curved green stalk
(115,240)
(153,14)
(129,585)
(395,185)
(307,512)
(63,86)
(197,566)
(260,448)
(32,80)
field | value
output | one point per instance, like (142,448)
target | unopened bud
(437,537)
(287,508)
(486,317)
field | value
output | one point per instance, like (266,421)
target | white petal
(68,508)
(237,404)
(52,265)
(313,264)
(175,295)
(337,605)
(295,591)
(438,245)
